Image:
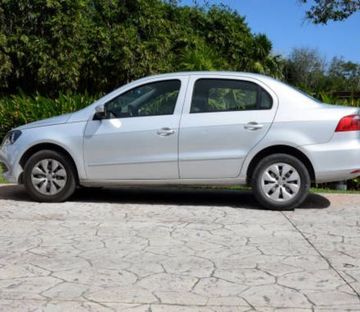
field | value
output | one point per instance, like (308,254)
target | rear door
(223,119)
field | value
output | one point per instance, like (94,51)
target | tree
(344,75)
(42,42)
(306,68)
(93,46)
(322,11)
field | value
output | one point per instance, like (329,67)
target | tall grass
(20,109)
(2,180)
(326,98)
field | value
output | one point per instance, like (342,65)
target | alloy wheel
(49,177)
(280,182)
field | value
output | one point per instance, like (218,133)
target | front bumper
(11,169)
(337,160)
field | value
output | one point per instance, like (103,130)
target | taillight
(349,123)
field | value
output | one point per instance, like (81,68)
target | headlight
(11,137)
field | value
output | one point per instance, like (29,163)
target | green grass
(324,190)
(20,109)
(2,180)
(313,189)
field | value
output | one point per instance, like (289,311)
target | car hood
(46,122)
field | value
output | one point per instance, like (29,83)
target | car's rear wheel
(49,176)
(280,181)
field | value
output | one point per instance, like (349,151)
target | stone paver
(177,250)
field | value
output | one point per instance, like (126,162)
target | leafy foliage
(53,46)
(322,11)
(308,70)
(2,180)
(16,110)
(305,68)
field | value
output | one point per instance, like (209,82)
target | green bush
(96,45)
(20,109)
(325,98)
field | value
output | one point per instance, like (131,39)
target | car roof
(210,73)
(265,79)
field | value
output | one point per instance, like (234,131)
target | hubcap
(280,182)
(49,177)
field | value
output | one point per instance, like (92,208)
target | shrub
(20,109)
(95,45)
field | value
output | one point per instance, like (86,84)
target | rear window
(224,95)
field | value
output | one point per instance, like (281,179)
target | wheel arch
(47,146)
(283,149)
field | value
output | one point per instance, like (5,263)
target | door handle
(253,126)
(165,131)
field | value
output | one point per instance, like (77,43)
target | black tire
(265,200)
(70,184)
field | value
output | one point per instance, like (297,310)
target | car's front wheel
(49,176)
(280,181)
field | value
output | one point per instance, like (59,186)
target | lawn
(325,190)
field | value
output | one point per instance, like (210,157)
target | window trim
(142,85)
(259,96)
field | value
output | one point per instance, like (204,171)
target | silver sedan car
(205,128)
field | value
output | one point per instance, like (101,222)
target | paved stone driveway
(177,250)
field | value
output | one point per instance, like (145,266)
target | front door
(139,137)
(223,120)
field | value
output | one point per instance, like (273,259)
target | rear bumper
(337,160)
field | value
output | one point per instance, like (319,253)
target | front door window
(154,99)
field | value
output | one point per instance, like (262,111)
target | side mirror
(99,112)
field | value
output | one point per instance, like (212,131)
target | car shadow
(166,196)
